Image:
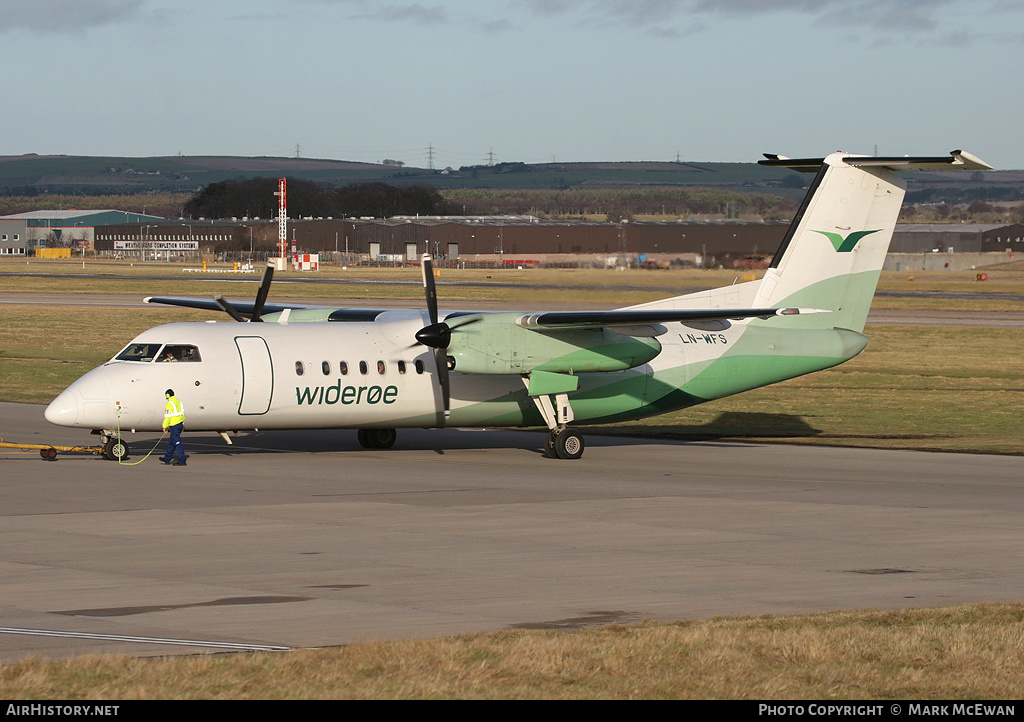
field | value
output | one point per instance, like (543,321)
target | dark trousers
(175,444)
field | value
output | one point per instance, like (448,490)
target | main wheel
(115,449)
(377,438)
(568,444)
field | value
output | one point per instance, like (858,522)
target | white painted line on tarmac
(144,640)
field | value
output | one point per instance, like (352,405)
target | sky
(465,82)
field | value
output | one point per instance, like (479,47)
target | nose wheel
(115,449)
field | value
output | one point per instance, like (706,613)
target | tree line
(255,198)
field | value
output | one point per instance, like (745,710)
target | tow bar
(49,451)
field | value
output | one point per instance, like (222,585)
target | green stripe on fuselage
(758,357)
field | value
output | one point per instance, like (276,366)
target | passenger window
(343,367)
(298,368)
(381,368)
(401,367)
(326,367)
(419,366)
(362,368)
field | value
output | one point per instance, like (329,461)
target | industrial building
(465,239)
(948,237)
(24,232)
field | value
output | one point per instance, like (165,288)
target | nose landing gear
(114,448)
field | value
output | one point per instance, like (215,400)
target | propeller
(261,295)
(437,335)
(261,298)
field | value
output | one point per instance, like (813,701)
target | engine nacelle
(496,345)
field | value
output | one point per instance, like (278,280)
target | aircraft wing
(208,304)
(598,319)
(247,308)
(550,320)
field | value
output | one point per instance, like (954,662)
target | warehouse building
(24,232)
(485,239)
(512,239)
(942,237)
(1005,239)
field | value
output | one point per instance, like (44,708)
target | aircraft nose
(84,403)
(63,410)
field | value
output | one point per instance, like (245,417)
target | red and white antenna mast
(282,218)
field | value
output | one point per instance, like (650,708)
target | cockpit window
(179,353)
(147,352)
(139,352)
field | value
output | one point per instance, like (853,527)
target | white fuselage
(265,375)
(237,376)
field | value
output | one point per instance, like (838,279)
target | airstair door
(257,375)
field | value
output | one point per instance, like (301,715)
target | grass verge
(968,652)
(914,387)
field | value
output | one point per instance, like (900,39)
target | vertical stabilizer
(833,253)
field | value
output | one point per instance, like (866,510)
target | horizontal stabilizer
(957,160)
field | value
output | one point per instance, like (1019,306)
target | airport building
(23,233)
(467,240)
(948,237)
(1006,239)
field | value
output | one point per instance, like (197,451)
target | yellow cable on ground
(136,463)
(150,453)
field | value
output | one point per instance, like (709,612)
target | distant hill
(31,174)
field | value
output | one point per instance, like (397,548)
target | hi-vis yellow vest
(174,412)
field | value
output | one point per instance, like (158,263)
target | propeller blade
(441,362)
(437,335)
(227,308)
(430,288)
(261,295)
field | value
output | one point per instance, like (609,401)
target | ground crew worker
(174,422)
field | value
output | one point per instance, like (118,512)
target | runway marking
(145,640)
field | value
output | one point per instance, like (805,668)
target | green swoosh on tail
(845,245)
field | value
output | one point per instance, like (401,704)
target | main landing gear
(563,442)
(377,438)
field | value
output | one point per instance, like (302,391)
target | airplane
(285,366)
